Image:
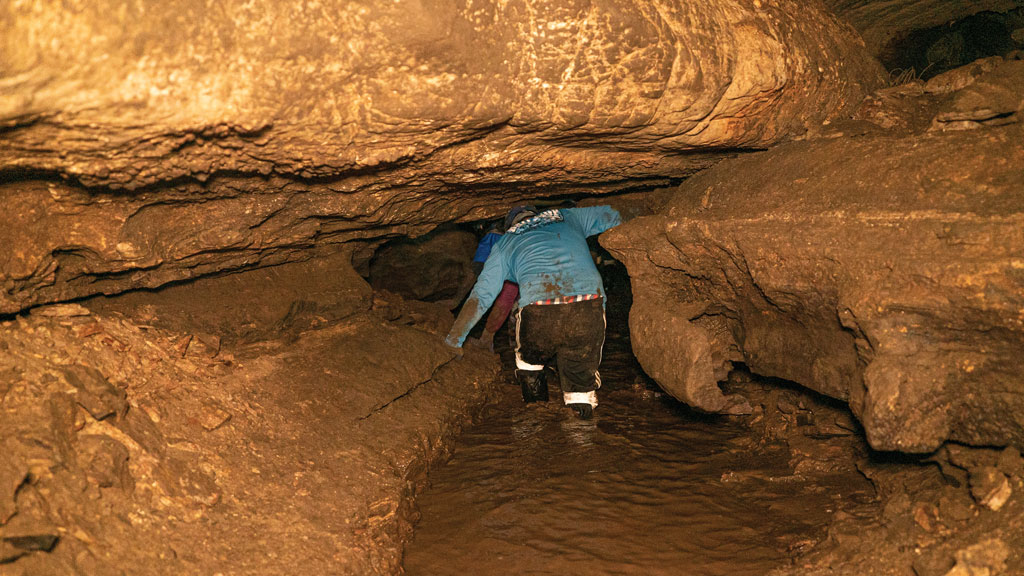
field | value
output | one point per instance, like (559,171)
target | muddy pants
(569,335)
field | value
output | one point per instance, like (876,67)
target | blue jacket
(548,257)
(483,249)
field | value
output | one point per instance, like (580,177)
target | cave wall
(163,141)
(880,22)
(189,88)
(881,268)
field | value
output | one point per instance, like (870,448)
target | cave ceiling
(164,140)
(882,21)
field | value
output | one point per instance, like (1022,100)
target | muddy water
(647,487)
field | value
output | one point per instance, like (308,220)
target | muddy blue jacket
(483,249)
(548,257)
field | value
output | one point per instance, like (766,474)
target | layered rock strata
(881,21)
(161,141)
(130,445)
(884,271)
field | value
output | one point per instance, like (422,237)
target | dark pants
(569,335)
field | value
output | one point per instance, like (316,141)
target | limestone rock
(688,374)
(13,472)
(880,21)
(1011,463)
(94,392)
(990,487)
(158,143)
(961,77)
(994,98)
(251,304)
(428,268)
(104,460)
(62,310)
(327,424)
(986,558)
(23,535)
(154,93)
(875,270)
(213,416)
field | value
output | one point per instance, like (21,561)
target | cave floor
(129,448)
(646,487)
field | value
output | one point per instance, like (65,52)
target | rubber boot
(534,385)
(583,411)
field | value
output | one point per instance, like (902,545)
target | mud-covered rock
(431,268)
(879,290)
(251,304)
(94,392)
(314,440)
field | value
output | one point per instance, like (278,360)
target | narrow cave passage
(647,487)
(233,234)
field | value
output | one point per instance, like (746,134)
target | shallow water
(647,487)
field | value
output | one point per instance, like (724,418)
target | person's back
(552,260)
(561,300)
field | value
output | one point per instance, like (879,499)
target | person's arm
(487,287)
(483,250)
(466,286)
(592,219)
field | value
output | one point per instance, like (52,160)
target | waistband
(566,299)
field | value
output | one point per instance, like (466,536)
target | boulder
(433,267)
(882,271)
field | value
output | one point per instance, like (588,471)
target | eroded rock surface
(155,92)
(213,136)
(881,270)
(433,267)
(880,21)
(129,446)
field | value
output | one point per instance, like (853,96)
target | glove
(453,345)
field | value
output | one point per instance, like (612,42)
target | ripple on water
(644,488)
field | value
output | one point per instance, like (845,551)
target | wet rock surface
(433,267)
(882,21)
(880,270)
(125,448)
(172,140)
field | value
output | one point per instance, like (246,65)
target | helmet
(518,214)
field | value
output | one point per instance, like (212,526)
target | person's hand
(453,346)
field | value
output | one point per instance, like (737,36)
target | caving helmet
(518,214)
